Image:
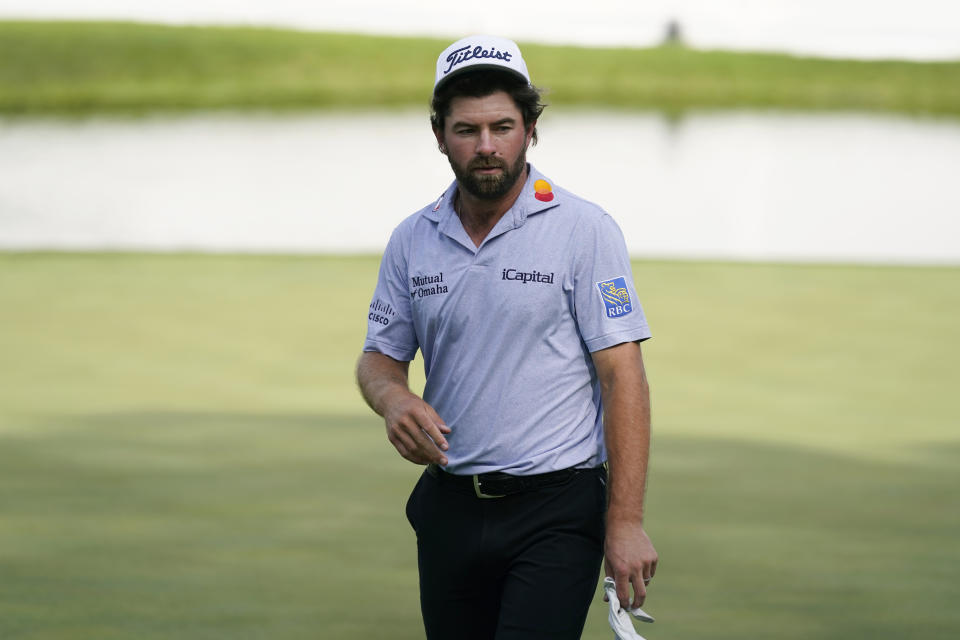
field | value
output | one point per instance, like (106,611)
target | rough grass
(182,452)
(83,67)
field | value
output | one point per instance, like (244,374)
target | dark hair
(482,83)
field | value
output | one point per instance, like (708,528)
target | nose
(485,143)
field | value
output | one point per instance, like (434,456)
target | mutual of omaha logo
(427,285)
(616,297)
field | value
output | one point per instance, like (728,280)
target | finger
(653,568)
(415,424)
(623,590)
(433,430)
(402,450)
(407,445)
(430,452)
(437,420)
(607,572)
(400,437)
(406,452)
(427,448)
(639,591)
(416,458)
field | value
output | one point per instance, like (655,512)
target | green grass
(85,67)
(183,454)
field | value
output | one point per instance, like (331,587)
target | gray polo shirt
(506,329)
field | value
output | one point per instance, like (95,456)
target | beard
(489,187)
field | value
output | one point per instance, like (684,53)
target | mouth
(486,169)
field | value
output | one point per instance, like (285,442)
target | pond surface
(724,185)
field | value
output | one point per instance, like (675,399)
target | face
(486,144)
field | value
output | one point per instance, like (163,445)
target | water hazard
(713,185)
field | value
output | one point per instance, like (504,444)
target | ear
(533,125)
(438,134)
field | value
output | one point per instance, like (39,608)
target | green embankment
(183,454)
(77,67)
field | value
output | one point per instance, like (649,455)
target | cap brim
(459,73)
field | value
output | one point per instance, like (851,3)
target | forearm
(626,399)
(630,556)
(379,377)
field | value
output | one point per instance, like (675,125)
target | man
(520,297)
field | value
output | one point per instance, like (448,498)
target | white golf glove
(619,620)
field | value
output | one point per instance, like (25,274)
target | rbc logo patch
(615,296)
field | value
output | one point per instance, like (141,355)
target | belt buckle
(480,494)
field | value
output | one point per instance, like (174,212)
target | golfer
(535,422)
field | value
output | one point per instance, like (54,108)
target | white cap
(480,52)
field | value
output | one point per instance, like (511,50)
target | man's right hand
(415,429)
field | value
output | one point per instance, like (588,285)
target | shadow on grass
(212,525)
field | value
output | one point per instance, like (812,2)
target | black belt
(497,484)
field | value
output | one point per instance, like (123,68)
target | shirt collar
(538,195)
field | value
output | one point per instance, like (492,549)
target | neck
(479,216)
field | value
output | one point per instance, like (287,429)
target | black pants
(524,566)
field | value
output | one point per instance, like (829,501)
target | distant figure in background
(520,296)
(673,35)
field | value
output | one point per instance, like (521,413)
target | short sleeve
(390,328)
(607,307)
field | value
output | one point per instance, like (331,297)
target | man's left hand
(629,559)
